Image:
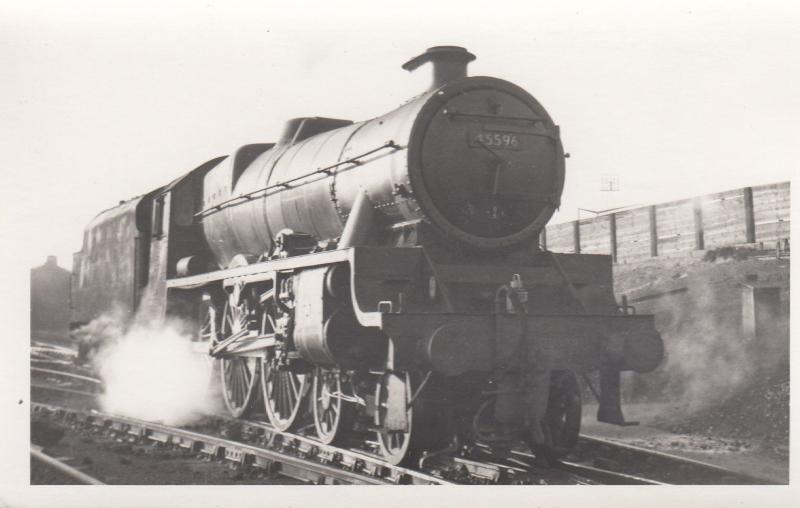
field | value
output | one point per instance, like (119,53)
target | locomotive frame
(355,295)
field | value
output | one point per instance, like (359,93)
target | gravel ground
(746,455)
(719,381)
(759,412)
(119,462)
(718,396)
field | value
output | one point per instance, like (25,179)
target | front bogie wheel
(561,424)
(563,417)
(395,446)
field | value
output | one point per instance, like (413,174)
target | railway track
(50,470)
(60,387)
(661,467)
(256,444)
(308,461)
(447,466)
(297,456)
(292,457)
(66,374)
(302,458)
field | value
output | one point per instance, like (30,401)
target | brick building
(50,301)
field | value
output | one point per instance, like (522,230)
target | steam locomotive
(383,278)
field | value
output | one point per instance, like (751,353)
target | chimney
(52,260)
(449,63)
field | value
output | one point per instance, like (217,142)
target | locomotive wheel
(332,415)
(283,392)
(239,375)
(562,422)
(396,447)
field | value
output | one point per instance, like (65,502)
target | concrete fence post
(749,218)
(653,231)
(699,241)
(576,235)
(612,230)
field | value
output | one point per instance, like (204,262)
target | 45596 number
(499,140)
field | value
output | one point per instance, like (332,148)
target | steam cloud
(708,357)
(150,371)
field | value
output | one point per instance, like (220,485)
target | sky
(102,101)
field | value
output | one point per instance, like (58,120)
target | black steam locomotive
(383,278)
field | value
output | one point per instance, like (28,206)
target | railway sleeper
(237,458)
(212,450)
(269,466)
(480,471)
(138,432)
(160,437)
(349,462)
(371,468)
(186,443)
(328,456)
(123,430)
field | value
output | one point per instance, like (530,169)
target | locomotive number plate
(495,140)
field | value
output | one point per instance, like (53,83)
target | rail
(660,466)
(595,460)
(67,375)
(62,468)
(290,456)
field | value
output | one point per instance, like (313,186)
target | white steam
(152,373)
(708,356)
